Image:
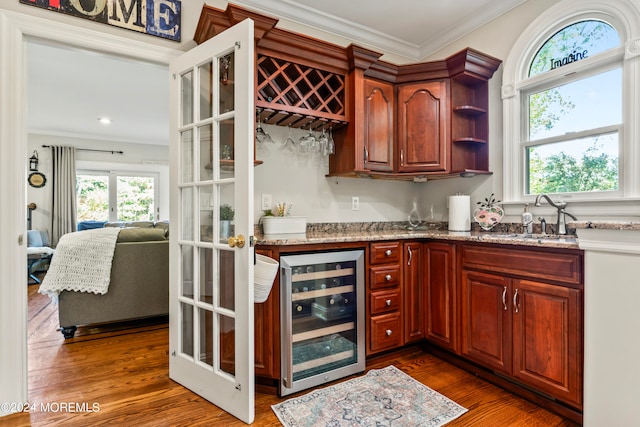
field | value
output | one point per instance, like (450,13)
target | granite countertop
(365,232)
(606,225)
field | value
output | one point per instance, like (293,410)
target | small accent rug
(382,397)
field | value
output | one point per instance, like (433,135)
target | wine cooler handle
(287,317)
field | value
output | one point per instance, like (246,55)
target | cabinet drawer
(559,266)
(384,276)
(386,332)
(383,301)
(384,253)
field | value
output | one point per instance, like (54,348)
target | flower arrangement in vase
(489,213)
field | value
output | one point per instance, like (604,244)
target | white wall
(135,158)
(302,179)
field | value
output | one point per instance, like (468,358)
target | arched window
(566,95)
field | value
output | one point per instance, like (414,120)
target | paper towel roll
(459,213)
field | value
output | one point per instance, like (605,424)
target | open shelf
(471,110)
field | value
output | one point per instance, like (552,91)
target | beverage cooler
(322,318)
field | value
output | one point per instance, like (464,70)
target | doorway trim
(15,30)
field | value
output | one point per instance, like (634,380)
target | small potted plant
(226,218)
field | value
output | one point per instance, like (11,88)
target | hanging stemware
(331,145)
(289,145)
(306,141)
(261,135)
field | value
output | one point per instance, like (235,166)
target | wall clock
(37,179)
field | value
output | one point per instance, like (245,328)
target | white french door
(211,336)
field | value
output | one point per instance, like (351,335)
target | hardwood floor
(124,371)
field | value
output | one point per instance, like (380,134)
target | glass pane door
(211,301)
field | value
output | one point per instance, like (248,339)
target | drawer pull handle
(504,298)
(389,332)
(388,252)
(515,300)
(387,277)
(388,302)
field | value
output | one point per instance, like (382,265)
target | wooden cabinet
(267,329)
(422,127)
(414,294)
(438,113)
(384,297)
(521,315)
(440,294)
(379,107)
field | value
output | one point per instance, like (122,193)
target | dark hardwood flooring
(124,369)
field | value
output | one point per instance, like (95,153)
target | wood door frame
(15,30)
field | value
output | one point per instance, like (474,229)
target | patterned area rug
(383,397)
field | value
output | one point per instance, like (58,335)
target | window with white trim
(566,95)
(116,196)
(573,119)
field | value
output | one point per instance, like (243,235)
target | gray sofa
(139,285)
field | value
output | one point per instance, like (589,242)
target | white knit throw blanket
(81,263)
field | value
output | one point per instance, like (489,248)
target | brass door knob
(238,241)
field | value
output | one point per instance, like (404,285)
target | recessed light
(104,120)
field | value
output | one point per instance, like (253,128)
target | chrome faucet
(560,206)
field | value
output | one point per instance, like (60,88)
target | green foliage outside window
(135,198)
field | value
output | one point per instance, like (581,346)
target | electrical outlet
(267,202)
(355,203)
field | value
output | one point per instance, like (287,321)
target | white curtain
(63,213)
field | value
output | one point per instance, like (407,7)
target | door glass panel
(206,152)
(187,271)
(186,197)
(206,213)
(186,88)
(227,345)
(226,279)
(206,275)
(206,337)
(227,212)
(226,148)
(205,72)
(226,84)
(187,328)
(186,151)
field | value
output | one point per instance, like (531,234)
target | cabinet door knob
(387,277)
(388,252)
(388,302)
(388,332)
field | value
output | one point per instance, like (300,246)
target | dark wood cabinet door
(547,334)
(486,319)
(413,292)
(379,106)
(440,293)
(423,112)
(267,330)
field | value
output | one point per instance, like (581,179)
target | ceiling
(69,89)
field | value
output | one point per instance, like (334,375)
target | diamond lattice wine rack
(294,95)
